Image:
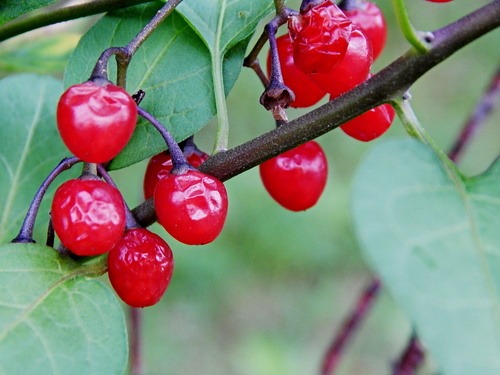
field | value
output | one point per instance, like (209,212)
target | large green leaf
(54,320)
(433,238)
(174,67)
(10,9)
(30,146)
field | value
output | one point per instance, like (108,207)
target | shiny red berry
(307,93)
(160,165)
(371,124)
(140,267)
(352,70)
(88,216)
(192,207)
(370,19)
(96,122)
(320,37)
(296,179)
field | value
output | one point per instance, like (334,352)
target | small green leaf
(174,67)
(30,146)
(433,238)
(10,9)
(54,320)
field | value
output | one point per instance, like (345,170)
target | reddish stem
(411,358)
(340,341)
(135,341)
(485,106)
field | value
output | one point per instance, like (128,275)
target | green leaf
(222,25)
(433,238)
(173,66)
(54,320)
(10,9)
(30,146)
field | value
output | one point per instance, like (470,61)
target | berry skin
(160,165)
(96,122)
(192,207)
(296,178)
(140,267)
(320,37)
(307,93)
(88,216)
(352,70)
(371,124)
(370,19)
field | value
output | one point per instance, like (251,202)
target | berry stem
(131,221)
(348,5)
(38,20)
(276,96)
(349,327)
(179,161)
(124,54)
(25,234)
(484,107)
(418,39)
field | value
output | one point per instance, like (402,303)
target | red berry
(192,207)
(140,267)
(296,178)
(320,37)
(96,122)
(371,124)
(370,19)
(307,93)
(352,70)
(88,216)
(160,165)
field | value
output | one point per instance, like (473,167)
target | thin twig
(484,107)
(38,20)
(349,327)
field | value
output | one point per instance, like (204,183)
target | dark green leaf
(174,67)
(433,238)
(30,146)
(10,9)
(54,320)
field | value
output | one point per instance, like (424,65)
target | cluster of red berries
(96,120)
(329,50)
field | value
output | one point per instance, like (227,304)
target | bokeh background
(267,297)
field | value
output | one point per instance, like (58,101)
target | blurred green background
(268,295)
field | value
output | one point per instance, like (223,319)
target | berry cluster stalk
(26,232)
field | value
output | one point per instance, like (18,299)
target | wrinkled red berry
(140,267)
(96,122)
(160,165)
(296,179)
(370,19)
(192,206)
(320,37)
(307,93)
(352,70)
(88,216)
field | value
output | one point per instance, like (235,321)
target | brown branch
(391,82)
